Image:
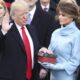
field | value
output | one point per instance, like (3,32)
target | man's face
(21,17)
(31,2)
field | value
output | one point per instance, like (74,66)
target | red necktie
(8,4)
(28,54)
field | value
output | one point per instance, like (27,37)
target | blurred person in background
(44,25)
(48,6)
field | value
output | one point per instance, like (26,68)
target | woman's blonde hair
(4,5)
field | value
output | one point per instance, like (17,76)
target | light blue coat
(65,43)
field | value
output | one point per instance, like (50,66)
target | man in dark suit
(15,62)
(43,23)
(48,6)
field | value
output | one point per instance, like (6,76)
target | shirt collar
(68,29)
(45,7)
(32,12)
(18,26)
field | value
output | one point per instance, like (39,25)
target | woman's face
(64,19)
(2,11)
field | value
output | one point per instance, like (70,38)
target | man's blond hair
(15,6)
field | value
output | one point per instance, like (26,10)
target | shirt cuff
(4,32)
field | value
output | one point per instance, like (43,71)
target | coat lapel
(17,36)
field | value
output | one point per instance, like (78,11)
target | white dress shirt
(43,7)
(32,12)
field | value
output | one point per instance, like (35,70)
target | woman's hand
(45,50)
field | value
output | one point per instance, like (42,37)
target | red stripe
(8,4)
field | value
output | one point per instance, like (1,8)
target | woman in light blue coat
(65,43)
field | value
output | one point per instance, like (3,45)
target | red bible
(46,57)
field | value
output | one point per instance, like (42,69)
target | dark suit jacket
(13,65)
(44,25)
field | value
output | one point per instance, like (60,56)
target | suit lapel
(17,36)
(36,15)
